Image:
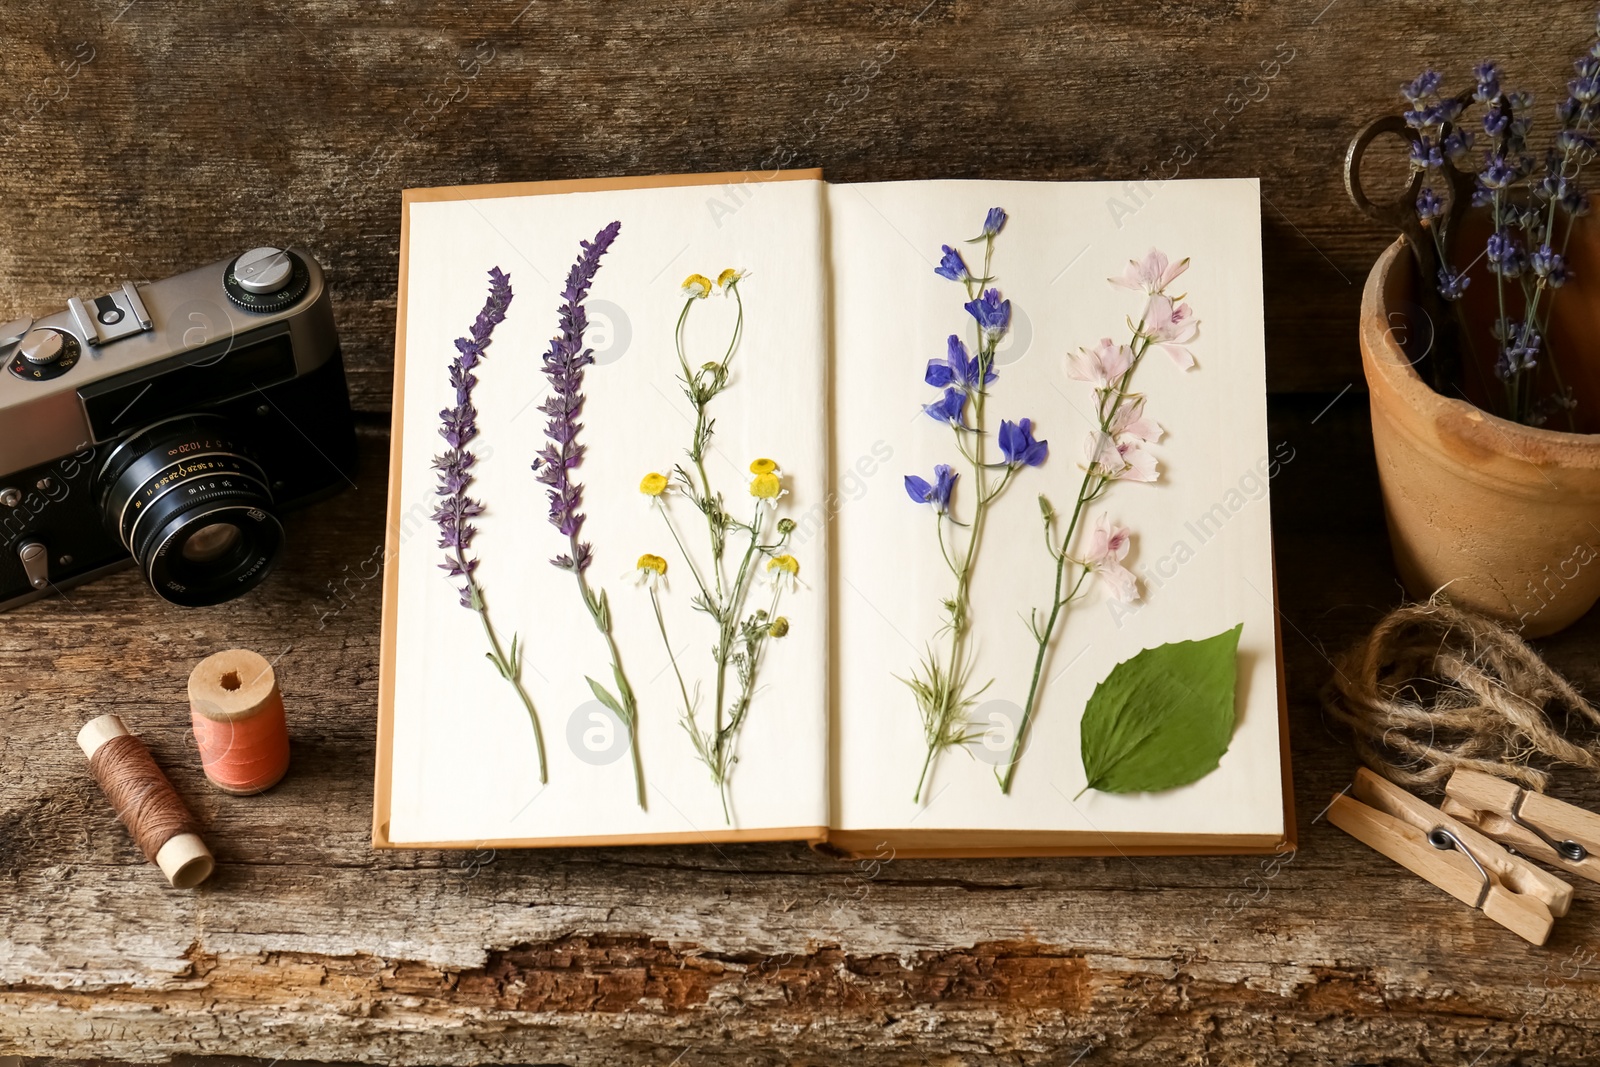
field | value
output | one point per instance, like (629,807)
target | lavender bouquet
(942,683)
(1533,200)
(456,508)
(1115,451)
(564,365)
(741,635)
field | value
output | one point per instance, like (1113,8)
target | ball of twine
(1434,689)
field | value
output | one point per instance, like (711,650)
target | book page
(1200,534)
(464,761)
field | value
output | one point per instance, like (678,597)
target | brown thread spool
(239,724)
(145,801)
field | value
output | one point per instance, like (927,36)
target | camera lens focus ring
(192,508)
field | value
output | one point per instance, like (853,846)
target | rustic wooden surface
(140,140)
(308,945)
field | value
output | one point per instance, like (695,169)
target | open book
(780,538)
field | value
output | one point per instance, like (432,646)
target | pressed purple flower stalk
(456,509)
(564,364)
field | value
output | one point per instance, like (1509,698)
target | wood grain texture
(309,945)
(191,133)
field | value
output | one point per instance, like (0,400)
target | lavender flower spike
(459,428)
(564,364)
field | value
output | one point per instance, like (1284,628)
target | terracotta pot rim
(1397,372)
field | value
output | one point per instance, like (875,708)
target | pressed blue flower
(1487,74)
(992,313)
(1585,90)
(1429,206)
(994,221)
(1453,284)
(952,266)
(956,369)
(936,492)
(1457,143)
(1496,122)
(1019,447)
(1426,84)
(459,428)
(950,408)
(1575,201)
(1574,140)
(564,364)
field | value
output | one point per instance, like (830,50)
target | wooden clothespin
(1548,830)
(1451,855)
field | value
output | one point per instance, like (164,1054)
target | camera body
(166,425)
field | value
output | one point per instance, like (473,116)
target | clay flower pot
(1506,516)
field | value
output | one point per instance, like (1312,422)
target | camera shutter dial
(266,279)
(263,270)
(43,354)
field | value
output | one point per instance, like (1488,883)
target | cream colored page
(1202,536)
(464,758)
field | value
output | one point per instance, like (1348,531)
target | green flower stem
(1094,483)
(601,614)
(510,670)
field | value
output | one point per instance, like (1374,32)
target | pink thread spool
(239,723)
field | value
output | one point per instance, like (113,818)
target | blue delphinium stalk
(456,508)
(1532,205)
(564,365)
(942,682)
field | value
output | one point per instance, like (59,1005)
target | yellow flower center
(762,466)
(779,627)
(766,486)
(787,564)
(647,562)
(653,484)
(697,286)
(728,277)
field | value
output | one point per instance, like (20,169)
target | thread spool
(239,724)
(145,802)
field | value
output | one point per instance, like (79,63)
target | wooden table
(184,135)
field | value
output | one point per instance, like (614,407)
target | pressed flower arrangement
(1116,450)
(564,365)
(742,632)
(942,683)
(456,509)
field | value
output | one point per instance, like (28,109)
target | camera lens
(192,507)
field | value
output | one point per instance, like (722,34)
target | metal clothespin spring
(1443,840)
(1568,850)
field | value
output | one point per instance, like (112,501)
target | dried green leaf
(1163,718)
(603,695)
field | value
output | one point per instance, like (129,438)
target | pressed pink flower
(1172,326)
(1123,460)
(1152,274)
(1129,420)
(1104,364)
(1108,546)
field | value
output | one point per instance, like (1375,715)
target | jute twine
(1434,689)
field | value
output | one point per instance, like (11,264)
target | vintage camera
(166,425)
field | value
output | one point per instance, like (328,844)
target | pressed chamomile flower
(650,571)
(784,572)
(763,466)
(779,627)
(653,484)
(767,487)
(728,279)
(697,287)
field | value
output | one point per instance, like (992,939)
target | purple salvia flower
(563,366)
(459,425)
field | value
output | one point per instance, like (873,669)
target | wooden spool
(237,713)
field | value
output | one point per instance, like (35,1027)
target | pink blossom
(1121,460)
(1129,420)
(1108,546)
(1105,364)
(1152,274)
(1172,326)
